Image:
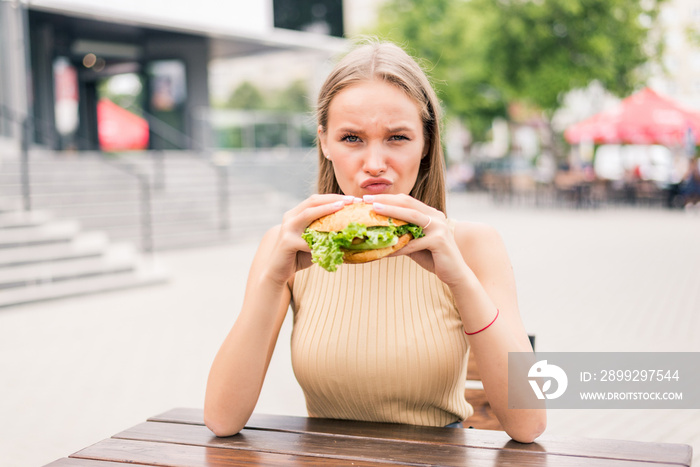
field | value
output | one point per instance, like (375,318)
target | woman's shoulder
(470,232)
(479,243)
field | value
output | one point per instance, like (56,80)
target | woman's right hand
(291,253)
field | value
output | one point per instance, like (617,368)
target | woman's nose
(375,162)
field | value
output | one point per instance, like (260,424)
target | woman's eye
(398,138)
(350,139)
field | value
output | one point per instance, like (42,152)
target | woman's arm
(238,371)
(472,261)
(488,285)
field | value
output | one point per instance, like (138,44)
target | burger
(356,234)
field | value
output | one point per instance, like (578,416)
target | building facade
(55,53)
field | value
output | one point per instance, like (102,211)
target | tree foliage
(293,98)
(487,54)
(547,48)
(448,36)
(248,96)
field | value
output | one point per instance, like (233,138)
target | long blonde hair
(390,63)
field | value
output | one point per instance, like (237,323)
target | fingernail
(378,206)
(348,199)
(368,198)
(358,200)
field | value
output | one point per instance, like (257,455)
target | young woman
(387,340)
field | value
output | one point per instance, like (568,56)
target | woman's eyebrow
(389,129)
(400,129)
(348,129)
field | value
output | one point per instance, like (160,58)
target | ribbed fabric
(380,341)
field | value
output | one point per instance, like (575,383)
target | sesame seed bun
(360,213)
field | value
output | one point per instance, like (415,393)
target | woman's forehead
(374,102)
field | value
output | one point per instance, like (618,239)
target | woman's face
(374,139)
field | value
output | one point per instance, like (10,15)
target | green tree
(293,98)
(487,54)
(448,37)
(543,49)
(246,96)
(692,35)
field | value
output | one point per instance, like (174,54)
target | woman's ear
(322,140)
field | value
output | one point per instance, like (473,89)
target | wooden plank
(356,448)
(679,454)
(185,415)
(118,452)
(73,462)
(484,418)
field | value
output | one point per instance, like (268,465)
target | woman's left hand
(437,252)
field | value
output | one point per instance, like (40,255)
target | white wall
(359,15)
(242,16)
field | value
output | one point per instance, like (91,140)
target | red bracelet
(485,327)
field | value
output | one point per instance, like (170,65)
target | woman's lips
(376,185)
(377,188)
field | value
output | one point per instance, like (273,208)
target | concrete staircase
(103,194)
(84,202)
(42,258)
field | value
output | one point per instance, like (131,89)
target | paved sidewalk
(79,370)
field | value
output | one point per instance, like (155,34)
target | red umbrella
(642,118)
(118,129)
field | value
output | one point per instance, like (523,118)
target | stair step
(83,286)
(54,171)
(116,258)
(50,232)
(77,211)
(66,197)
(83,245)
(9,206)
(168,207)
(20,219)
(106,201)
(67,183)
(185,186)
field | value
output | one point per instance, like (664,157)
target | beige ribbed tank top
(380,341)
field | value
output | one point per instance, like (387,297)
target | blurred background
(145,146)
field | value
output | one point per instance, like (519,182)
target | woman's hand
(291,252)
(437,252)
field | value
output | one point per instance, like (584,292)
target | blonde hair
(390,63)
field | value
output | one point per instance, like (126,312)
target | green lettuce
(327,248)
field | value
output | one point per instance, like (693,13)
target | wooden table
(179,438)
